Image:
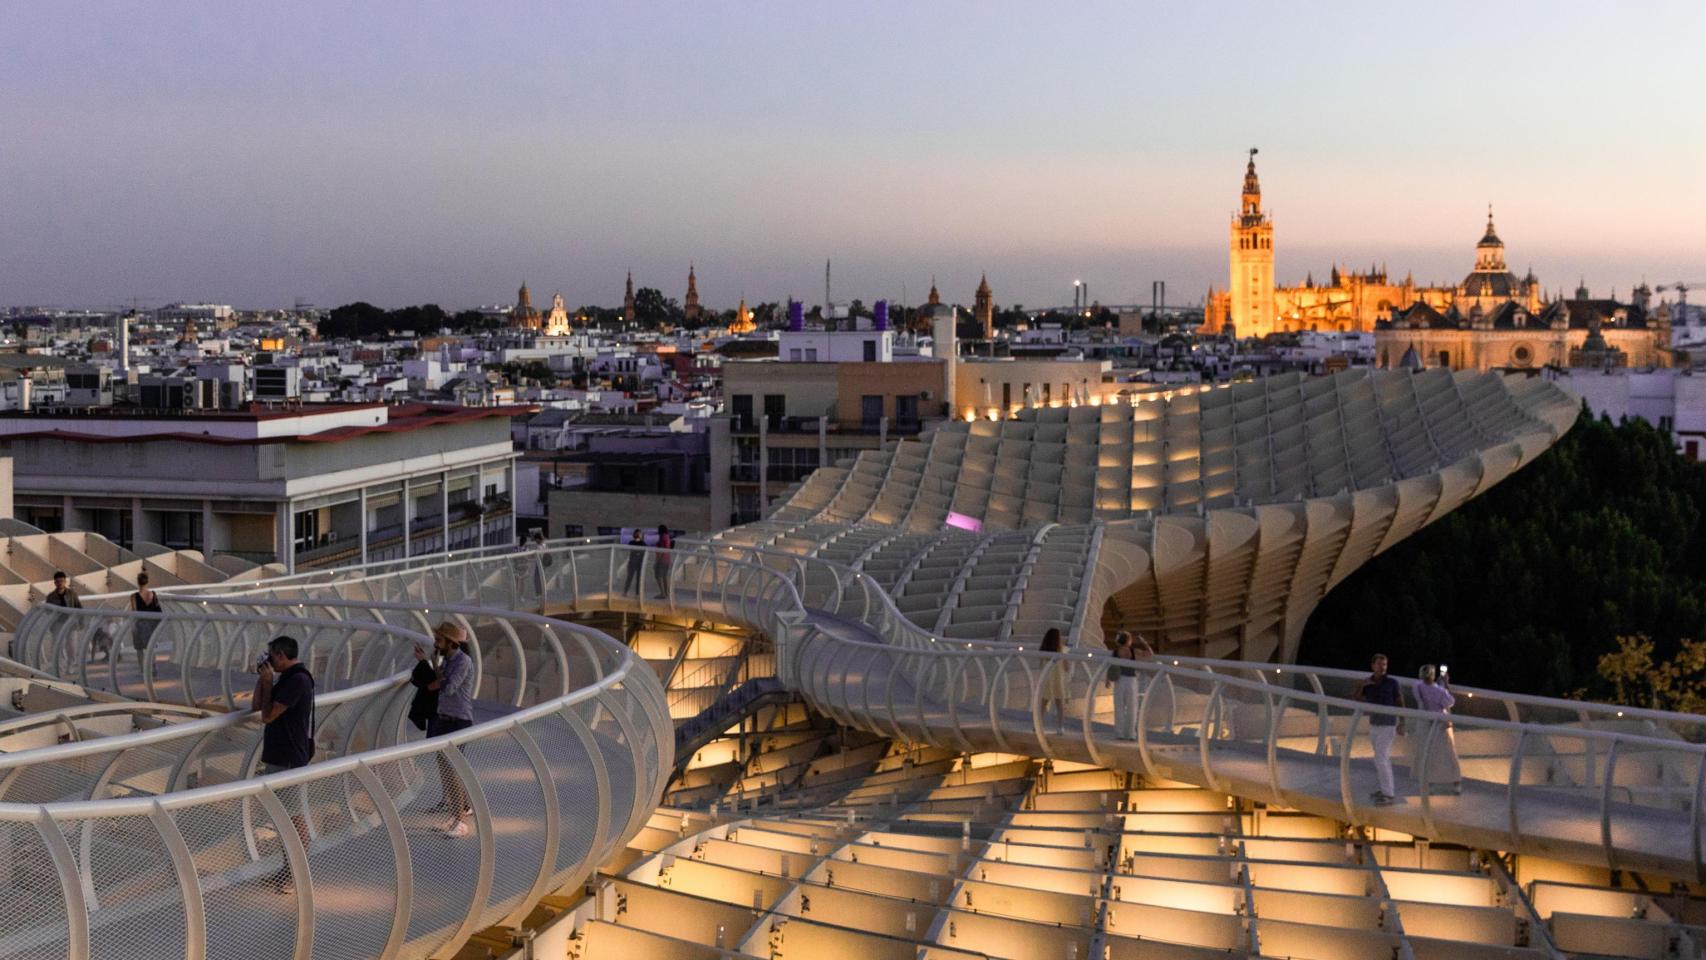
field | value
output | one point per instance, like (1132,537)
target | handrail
(586,727)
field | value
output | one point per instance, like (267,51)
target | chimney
(796,316)
(880,315)
(948,349)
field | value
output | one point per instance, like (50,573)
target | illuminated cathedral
(1349,299)
(1492,320)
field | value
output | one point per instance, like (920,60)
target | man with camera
(284,697)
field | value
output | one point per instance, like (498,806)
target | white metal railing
(173,850)
(577,762)
(1538,774)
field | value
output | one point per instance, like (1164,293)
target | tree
(1525,588)
(651,307)
(1676,684)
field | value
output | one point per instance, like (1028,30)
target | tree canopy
(364,320)
(1528,587)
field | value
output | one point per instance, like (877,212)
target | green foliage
(364,320)
(1525,588)
(1675,684)
(651,307)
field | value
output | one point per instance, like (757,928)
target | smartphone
(262,661)
(1443,669)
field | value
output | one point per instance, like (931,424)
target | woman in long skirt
(1433,695)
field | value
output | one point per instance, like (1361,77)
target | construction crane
(1681,287)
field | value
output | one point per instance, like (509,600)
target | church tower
(743,320)
(935,299)
(524,315)
(1252,311)
(1490,252)
(690,306)
(628,300)
(983,308)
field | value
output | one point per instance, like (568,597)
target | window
(791,464)
(1693,448)
(775,408)
(572,530)
(743,411)
(811,354)
(794,354)
(1045,393)
(1667,424)
(610,531)
(1006,396)
(870,411)
(1445,358)
(906,411)
(870,351)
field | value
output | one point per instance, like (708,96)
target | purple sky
(253,153)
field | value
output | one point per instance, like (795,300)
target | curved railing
(571,758)
(163,843)
(1591,782)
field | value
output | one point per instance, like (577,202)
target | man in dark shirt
(286,705)
(284,696)
(62,594)
(1382,690)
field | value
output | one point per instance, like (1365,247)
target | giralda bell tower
(1252,248)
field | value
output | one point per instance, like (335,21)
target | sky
(258,153)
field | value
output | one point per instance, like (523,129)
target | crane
(1681,287)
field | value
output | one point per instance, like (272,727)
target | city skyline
(407,157)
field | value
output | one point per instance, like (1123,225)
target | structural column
(207,529)
(408,515)
(515,505)
(763,467)
(361,498)
(444,511)
(283,536)
(137,518)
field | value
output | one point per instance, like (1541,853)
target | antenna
(826,300)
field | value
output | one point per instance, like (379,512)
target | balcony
(809,426)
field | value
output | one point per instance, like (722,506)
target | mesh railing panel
(135,906)
(353,866)
(445,869)
(575,780)
(234,847)
(32,899)
(516,800)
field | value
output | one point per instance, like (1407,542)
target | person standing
(1381,689)
(1054,687)
(144,600)
(535,548)
(636,560)
(63,596)
(1434,695)
(284,697)
(660,563)
(455,688)
(1124,681)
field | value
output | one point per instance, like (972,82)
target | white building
(309,487)
(1670,399)
(836,346)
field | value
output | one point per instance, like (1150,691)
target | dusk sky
(255,153)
